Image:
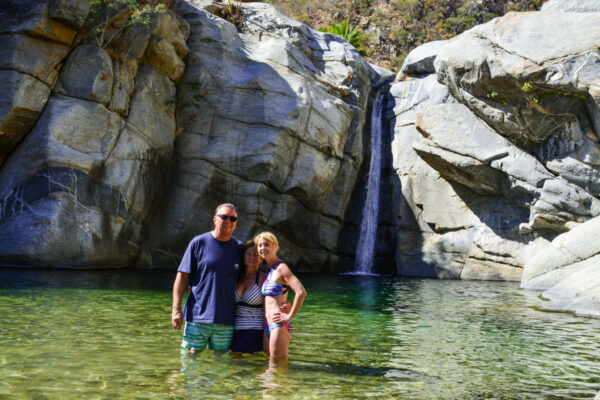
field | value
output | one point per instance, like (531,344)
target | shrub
(351,33)
(231,12)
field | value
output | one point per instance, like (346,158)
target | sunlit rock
(567,270)
(420,60)
(513,166)
(270,116)
(571,6)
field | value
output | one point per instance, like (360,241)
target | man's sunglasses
(225,217)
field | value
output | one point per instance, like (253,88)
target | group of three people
(231,304)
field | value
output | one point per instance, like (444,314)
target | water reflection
(15,278)
(276,382)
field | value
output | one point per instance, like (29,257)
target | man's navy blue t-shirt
(213,266)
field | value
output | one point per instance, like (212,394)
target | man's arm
(181,282)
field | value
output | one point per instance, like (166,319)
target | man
(209,267)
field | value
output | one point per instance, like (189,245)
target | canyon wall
(121,129)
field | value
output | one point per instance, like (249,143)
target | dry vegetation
(391,28)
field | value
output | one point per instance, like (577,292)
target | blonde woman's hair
(268,236)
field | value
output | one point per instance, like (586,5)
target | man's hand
(179,286)
(177,319)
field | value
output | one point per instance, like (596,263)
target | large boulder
(80,186)
(420,60)
(87,74)
(487,182)
(441,230)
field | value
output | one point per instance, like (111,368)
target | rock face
(497,147)
(86,155)
(271,119)
(117,144)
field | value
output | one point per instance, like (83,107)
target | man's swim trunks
(198,336)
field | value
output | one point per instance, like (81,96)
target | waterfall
(365,249)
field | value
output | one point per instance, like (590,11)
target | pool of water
(107,334)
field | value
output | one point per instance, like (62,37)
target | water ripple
(355,337)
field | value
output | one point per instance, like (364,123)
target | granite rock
(420,60)
(84,179)
(276,128)
(488,182)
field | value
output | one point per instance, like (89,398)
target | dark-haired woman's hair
(242,271)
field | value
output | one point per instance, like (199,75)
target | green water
(107,334)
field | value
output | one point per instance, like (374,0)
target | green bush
(351,33)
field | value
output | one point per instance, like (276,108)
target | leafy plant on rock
(541,93)
(351,33)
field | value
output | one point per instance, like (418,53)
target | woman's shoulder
(283,267)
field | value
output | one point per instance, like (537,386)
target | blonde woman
(275,288)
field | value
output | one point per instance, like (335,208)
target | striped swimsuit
(249,320)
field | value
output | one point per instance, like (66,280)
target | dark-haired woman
(249,305)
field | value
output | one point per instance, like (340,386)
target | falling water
(365,250)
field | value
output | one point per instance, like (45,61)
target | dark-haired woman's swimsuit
(249,320)
(272,288)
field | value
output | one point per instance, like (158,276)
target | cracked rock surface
(497,151)
(115,147)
